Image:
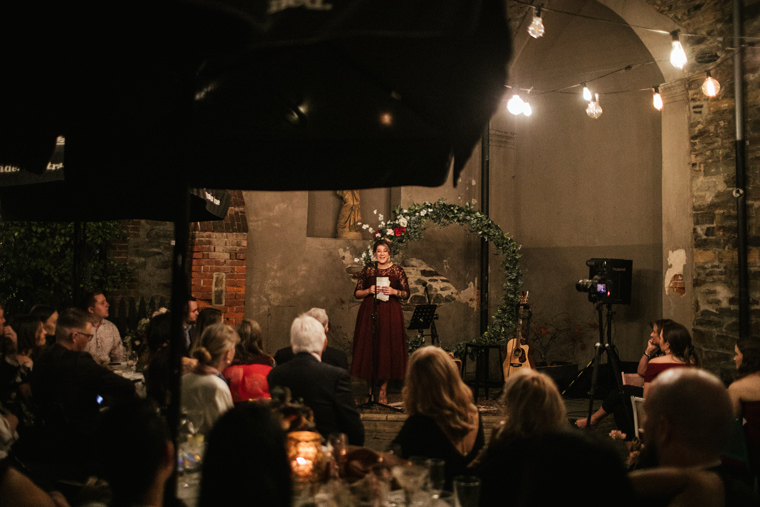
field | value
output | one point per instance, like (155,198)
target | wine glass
(131,360)
(436,475)
(412,479)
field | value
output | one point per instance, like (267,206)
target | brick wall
(217,261)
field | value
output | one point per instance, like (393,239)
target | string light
(711,86)
(594,110)
(677,54)
(586,93)
(527,110)
(515,105)
(536,28)
(657,99)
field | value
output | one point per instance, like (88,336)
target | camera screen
(601,288)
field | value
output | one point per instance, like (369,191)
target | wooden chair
(638,415)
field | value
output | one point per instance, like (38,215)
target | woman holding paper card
(385,282)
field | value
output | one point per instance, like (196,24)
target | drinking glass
(412,479)
(436,475)
(466,491)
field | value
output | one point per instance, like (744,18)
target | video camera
(609,281)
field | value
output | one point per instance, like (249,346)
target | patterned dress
(390,349)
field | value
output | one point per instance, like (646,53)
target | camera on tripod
(609,281)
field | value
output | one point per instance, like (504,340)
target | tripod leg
(594,380)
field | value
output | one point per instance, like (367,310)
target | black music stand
(423,318)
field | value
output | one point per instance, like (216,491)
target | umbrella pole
(178,308)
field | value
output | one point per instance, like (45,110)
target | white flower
(423,212)
(371,230)
(365,226)
(356,259)
(375,212)
(380,217)
(402,222)
(389,232)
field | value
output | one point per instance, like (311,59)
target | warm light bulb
(677,54)
(594,110)
(536,28)
(657,99)
(711,86)
(586,93)
(527,110)
(515,105)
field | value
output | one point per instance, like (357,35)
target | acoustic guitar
(519,356)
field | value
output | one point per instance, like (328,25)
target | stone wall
(712,131)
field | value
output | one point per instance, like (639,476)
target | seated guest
(745,397)
(69,388)
(16,490)
(247,375)
(49,318)
(245,461)
(620,406)
(206,317)
(156,363)
(204,389)
(331,355)
(687,424)
(542,457)
(677,349)
(135,453)
(324,388)
(443,421)
(106,345)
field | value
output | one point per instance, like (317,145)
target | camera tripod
(612,358)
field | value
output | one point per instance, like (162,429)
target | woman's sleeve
(403,281)
(361,280)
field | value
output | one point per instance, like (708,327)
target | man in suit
(324,388)
(331,355)
(69,388)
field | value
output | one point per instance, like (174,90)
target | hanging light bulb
(515,104)
(536,28)
(594,110)
(586,93)
(677,54)
(527,110)
(657,99)
(711,86)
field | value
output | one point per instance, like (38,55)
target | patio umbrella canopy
(351,94)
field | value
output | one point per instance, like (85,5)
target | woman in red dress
(390,350)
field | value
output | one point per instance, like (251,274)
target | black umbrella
(351,94)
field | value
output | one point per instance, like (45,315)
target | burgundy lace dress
(390,349)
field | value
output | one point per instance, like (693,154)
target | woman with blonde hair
(443,421)
(205,394)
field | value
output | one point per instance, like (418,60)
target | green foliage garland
(407,225)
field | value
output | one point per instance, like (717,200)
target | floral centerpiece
(407,224)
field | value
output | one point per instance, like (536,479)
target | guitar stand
(612,358)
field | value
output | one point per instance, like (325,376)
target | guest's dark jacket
(66,386)
(325,389)
(333,356)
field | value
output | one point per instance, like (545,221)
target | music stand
(423,318)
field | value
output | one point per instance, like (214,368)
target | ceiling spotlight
(536,28)
(657,99)
(677,54)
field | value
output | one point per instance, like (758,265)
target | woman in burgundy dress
(390,349)
(675,344)
(745,396)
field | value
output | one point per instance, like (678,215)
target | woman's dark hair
(249,350)
(26,327)
(130,462)
(42,312)
(246,458)
(206,317)
(381,241)
(679,339)
(158,332)
(750,349)
(659,324)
